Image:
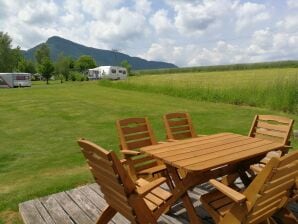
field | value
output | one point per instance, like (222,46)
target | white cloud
(143,6)
(46,14)
(289,23)
(292,3)
(198,16)
(161,22)
(185,32)
(249,14)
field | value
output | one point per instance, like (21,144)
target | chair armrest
(145,189)
(161,142)
(130,152)
(230,192)
(123,161)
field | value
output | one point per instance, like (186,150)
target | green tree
(9,57)
(26,66)
(63,66)
(46,68)
(85,62)
(42,53)
(126,65)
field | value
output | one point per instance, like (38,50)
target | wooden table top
(208,152)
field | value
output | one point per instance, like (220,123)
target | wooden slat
(131,130)
(173,123)
(280,128)
(55,210)
(133,137)
(120,206)
(175,115)
(274,118)
(30,214)
(268,199)
(127,121)
(93,148)
(223,151)
(270,133)
(182,135)
(183,144)
(143,167)
(263,212)
(109,183)
(72,209)
(205,150)
(180,129)
(101,167)
(240,155)
(84,203)
(43,212)
(139,144)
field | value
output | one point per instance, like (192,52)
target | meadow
(40,125)
(275,89)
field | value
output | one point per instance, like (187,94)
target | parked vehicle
(11,80)
(107,72)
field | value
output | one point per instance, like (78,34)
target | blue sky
(184,32)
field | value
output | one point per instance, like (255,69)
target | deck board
(83,205)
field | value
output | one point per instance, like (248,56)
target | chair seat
(156,197)
(217,201)
(153,170)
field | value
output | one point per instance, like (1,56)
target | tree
(26,66)
(9,57)
(85,62)
(42,52)
(46,68)
(63,66)
(126,65)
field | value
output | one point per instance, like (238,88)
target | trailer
(12,80)
(107,72)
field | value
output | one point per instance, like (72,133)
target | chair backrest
(179,126)
(112,178)
(135,133)
(275,128)
(271,188)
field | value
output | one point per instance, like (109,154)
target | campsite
(40,156)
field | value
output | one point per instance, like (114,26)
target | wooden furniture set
(202,158)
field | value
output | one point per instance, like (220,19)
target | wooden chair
(267,194)
(274,128)
(139,202)
(135,133)
(179,126)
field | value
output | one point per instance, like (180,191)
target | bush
(77,76)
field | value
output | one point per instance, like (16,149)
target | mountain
(59,45)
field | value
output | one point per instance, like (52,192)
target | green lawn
(40,126)
(276,89)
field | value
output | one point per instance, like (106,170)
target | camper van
(11,80)
(107,72)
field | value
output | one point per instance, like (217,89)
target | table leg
(193,217)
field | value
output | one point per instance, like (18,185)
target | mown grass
(275,89)
(40,126)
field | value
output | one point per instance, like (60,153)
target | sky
(183,32)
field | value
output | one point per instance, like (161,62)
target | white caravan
(10,80)
(107,72)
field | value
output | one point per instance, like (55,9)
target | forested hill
(59,45)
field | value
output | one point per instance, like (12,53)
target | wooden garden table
(208,157)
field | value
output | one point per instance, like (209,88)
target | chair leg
(107,215)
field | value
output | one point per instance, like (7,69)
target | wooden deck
(84,204)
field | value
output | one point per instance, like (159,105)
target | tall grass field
(275,89)
(40,125)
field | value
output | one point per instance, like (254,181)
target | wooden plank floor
(84,204)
